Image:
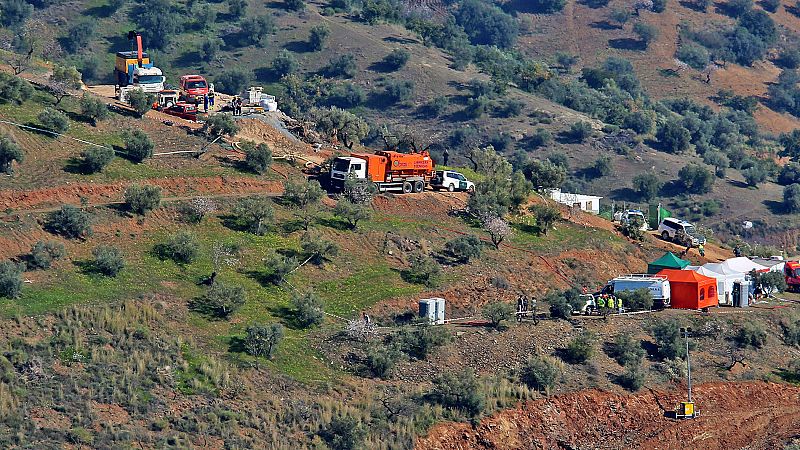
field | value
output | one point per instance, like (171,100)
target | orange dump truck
(390,171)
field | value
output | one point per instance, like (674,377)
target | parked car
(452,181)
(624,217)
(680,231)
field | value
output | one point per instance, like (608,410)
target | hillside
(231,311)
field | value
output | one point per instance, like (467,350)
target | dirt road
(755,415)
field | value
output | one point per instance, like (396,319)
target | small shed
(588,203)
(668,261)
(691,290)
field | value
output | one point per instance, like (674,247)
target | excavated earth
(753,415)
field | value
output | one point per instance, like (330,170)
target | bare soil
(754,415)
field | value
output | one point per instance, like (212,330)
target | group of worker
(524,306)
(608,303)
(208,101)
(237,103)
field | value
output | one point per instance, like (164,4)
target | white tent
(725,276)
(742,265)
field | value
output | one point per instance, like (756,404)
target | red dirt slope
(755,415)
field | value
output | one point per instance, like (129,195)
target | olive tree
(9,153)
(342,125)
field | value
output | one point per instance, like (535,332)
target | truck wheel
(665,235)
(419,186)
(407,188)
(451,188)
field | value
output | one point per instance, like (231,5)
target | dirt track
(754,415)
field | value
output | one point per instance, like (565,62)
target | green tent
(668,261)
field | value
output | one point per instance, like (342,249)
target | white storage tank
(432,309)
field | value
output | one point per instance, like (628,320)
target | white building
(588,203)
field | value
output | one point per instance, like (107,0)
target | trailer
(388,170)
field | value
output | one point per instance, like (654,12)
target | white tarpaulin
(742,265)
(725,276)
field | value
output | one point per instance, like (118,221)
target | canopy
(668,261)
(691,290)
(742,265)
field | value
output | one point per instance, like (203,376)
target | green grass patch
(565,236)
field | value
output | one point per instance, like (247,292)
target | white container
(432,309)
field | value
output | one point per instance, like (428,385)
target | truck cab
(452,181)
(193,88)
(148,79)
(345,167)
(792,272)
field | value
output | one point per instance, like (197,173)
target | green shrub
(341,66)
(232,81)
(563,303)
(647,185)
(422,270)
(10,279)
(540,373)
(603,166)
(343,433)
(638,300)
(419,341)
(108,260)
(626,350)
(262,340)
(791,197)
(694,55)
(381,359)
(140,101)
(647,33)
(14,89)
(633,378)
(138,145)
(318,37)
(54,120)
(755,175)
(791,330)
(141,199)
(580,349)
(750,334)
(659,6)
(673,137)
(352,212)
(256,212)
(463,248)
(580,131)
(257,158)
(278,267)
(284,64)
(9,152)
(437,106)
(93,109)
(210,47)
(256,29)
(397,58)
(317,250)
(95,159)
(295,5)
(399,90)
(182,248)
(696,178)
(497,313)
(220,125)
(308,309)
(44,253)
(459,391)
(548,6)
(667,336)
(69,221)
(220,300)
(545,216)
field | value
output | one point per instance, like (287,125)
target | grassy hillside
(145,358)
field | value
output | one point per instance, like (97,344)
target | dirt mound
(259,131)
(753,415)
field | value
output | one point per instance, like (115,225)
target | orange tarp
(691,290)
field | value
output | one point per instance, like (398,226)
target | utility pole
(686,410)
(686,332)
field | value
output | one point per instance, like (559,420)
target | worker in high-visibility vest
(601,302)
(610,302)
(619,304)
(701,249)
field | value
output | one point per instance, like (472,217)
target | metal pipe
(688,364)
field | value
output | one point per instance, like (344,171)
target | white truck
(452,181)
(658,285)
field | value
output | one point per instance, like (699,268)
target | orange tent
(691,290)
